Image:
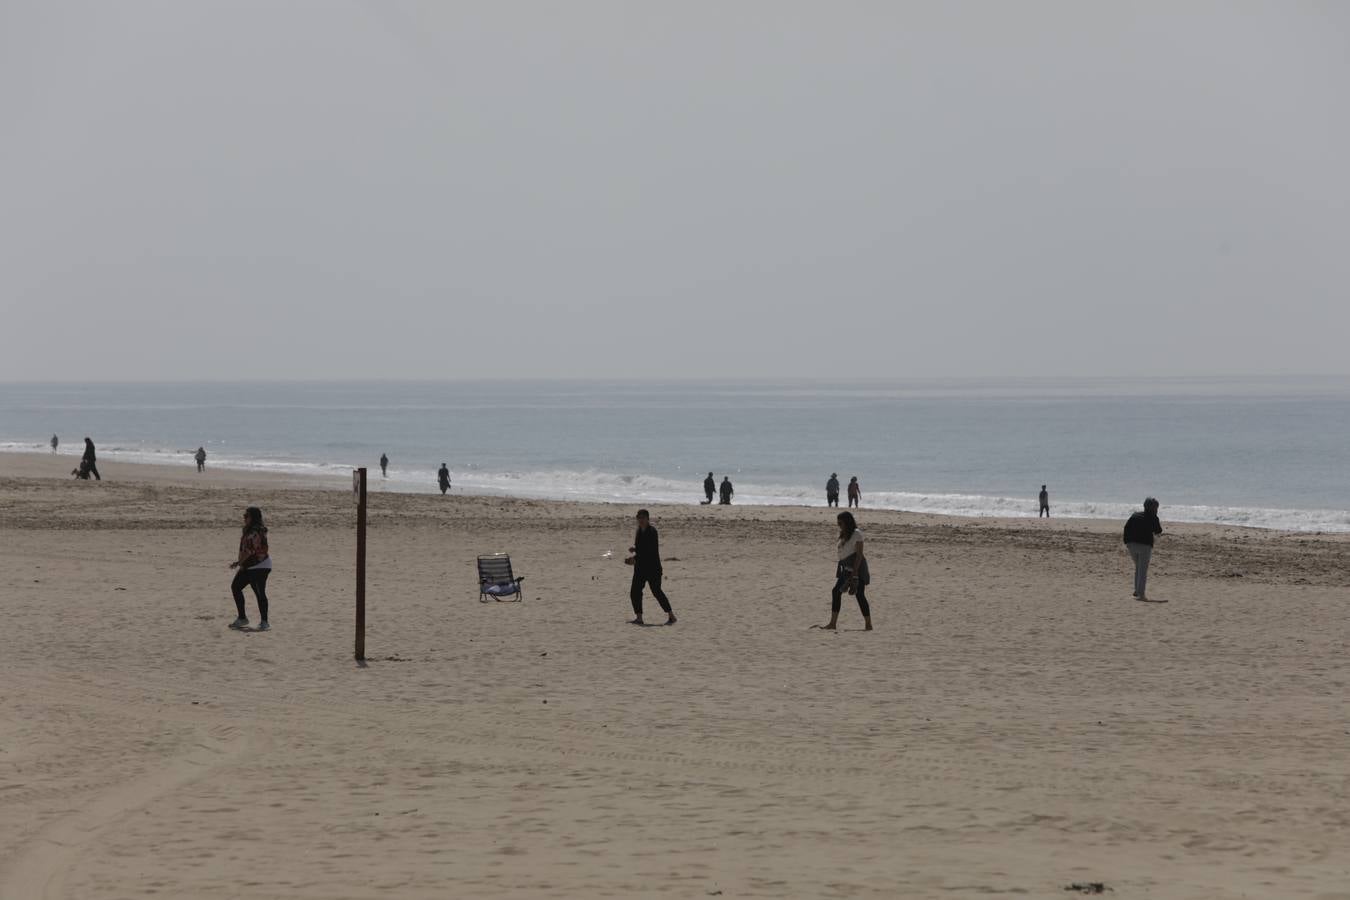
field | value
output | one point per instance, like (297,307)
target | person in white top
(850,575)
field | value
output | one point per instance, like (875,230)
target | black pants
(201,467)
(257,579)
(647,578)
(832,500)
(1045,511)
(445,486)
(837,595)
(93,470)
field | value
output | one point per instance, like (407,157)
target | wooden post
(359,488)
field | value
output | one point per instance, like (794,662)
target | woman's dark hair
(847,525)
(253,519)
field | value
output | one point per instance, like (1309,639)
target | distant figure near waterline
(443,478)
(850,573)
(254,565)
(1139,532)
(1045,503)
(832,490)
(727,490)
(90,459)
(201,459)
(854,492)
(709,487)
(384,466)
(645,558)
(56,441)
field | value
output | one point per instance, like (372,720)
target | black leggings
(93,470)
(653,579)
(257,578)
(837,596)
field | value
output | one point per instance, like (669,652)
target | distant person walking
(443,478)
(90,459)
(709,487)
(832,490)
(1045,503)
(384,466)
(645,559)
(254,565)
(727,490)
(850,573)
(56,442)
(854,492)
(201,459)
(1139,532)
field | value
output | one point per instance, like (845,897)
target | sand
(1015,724)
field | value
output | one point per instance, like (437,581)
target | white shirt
(850,546)
(264,563)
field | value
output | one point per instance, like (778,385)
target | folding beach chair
(495,579)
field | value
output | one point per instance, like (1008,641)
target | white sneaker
(238,623)
(263,626)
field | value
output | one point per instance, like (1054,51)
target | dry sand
(1016,723)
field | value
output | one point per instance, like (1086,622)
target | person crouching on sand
(850,573)
(254,565)
(1139,532)
(646,563)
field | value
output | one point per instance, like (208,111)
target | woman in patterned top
(850,572)
(254,565)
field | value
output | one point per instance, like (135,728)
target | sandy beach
(1015,725)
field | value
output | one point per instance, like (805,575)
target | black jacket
(89,451)
(1141,528)
(647,551)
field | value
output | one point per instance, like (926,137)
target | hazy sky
(399,189)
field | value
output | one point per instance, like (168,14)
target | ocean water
(1259,452)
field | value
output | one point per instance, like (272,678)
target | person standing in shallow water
(1140,529)
(832,490)
(709,487)
(90,459)
(56,442)
(443,478)
(1045,503)
(384,466)
(645,559)
(727,490)
(850,573)
(854,492)
(254,565)
(201,459)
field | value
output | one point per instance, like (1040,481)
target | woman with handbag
(254,565)
(850,574)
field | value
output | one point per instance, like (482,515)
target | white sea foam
(609,487)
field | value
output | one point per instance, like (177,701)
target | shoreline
(39,465)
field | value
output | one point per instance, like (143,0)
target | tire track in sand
(41,865)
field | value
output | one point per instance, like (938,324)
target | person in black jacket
(727,490)
(91,459)
(1045,503)
(646,563)
(384,465)
(1139,532)
(709,487)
